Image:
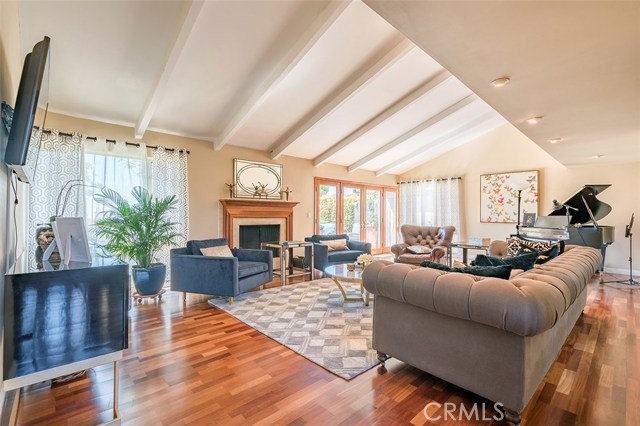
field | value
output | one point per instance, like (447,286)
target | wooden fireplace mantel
(235,208)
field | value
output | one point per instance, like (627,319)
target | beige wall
(506,149)
(209,170)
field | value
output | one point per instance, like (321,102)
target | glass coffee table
(340,274)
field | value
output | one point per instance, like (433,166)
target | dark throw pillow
(524,261)
(543,256)
(434,265)
(502,271)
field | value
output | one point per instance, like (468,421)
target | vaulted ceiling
(327,81)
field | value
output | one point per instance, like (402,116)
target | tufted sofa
(437,238)
(495,337)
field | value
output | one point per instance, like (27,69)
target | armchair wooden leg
(231,300)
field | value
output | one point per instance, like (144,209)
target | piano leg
(603,250)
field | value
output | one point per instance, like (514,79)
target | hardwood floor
(191,364)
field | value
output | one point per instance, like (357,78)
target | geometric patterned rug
(311,319)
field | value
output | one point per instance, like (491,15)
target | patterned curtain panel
(57,161)
(431,203)
(169,177)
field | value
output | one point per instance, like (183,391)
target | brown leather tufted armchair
(437,238)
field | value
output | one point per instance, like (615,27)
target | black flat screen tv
(24,113)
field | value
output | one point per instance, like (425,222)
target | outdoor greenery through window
(357,209)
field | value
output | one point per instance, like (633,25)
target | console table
(60,321)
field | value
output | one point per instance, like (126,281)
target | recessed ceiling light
(534,120)
(597,156)
(499,82)
(554,140)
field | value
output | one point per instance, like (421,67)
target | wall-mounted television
(25,109)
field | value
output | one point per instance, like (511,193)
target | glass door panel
(327,209)
(351,212)
(373,219)
(390,218)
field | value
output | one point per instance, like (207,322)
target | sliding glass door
(373,217)
(363,212)
(351,212)
(327,208)
(390,218)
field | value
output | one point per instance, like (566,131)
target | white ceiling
(576,63)
(334,82)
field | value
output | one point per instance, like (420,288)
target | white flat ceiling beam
(411,133)
(452,135)
(359,81)
(195,7)
(384,115)
(299,50)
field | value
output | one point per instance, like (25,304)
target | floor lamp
(519,187)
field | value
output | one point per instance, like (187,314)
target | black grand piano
(583,210)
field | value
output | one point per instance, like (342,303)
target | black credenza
(66,317)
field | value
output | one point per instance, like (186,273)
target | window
(357,209)
(433,202)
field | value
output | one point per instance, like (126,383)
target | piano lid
(589,194)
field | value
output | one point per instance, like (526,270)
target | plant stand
(138,297)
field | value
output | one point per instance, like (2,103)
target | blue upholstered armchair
(325,257)
(192,272)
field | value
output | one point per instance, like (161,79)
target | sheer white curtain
(169,177)
(113,165)
(434,202)
(56,161)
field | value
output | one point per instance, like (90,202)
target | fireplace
(238,213)
(252,235)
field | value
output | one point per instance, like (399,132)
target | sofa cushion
(542,256)
(419,249)
(343,256)
(335,245)
(194,246)
(502,271)
(246,269)
(524,261)
(413,259)
(218,251)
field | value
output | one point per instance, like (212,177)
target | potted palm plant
(136,232)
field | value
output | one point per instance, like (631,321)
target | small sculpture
(231,186)
(259,190)
(286,192)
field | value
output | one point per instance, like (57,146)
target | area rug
(311,319)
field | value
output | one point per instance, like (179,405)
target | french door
(362,211)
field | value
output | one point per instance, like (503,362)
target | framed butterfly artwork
(499,196)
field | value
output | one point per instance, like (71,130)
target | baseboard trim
(622,271)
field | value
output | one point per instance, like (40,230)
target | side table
(286,253)
(467,245)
